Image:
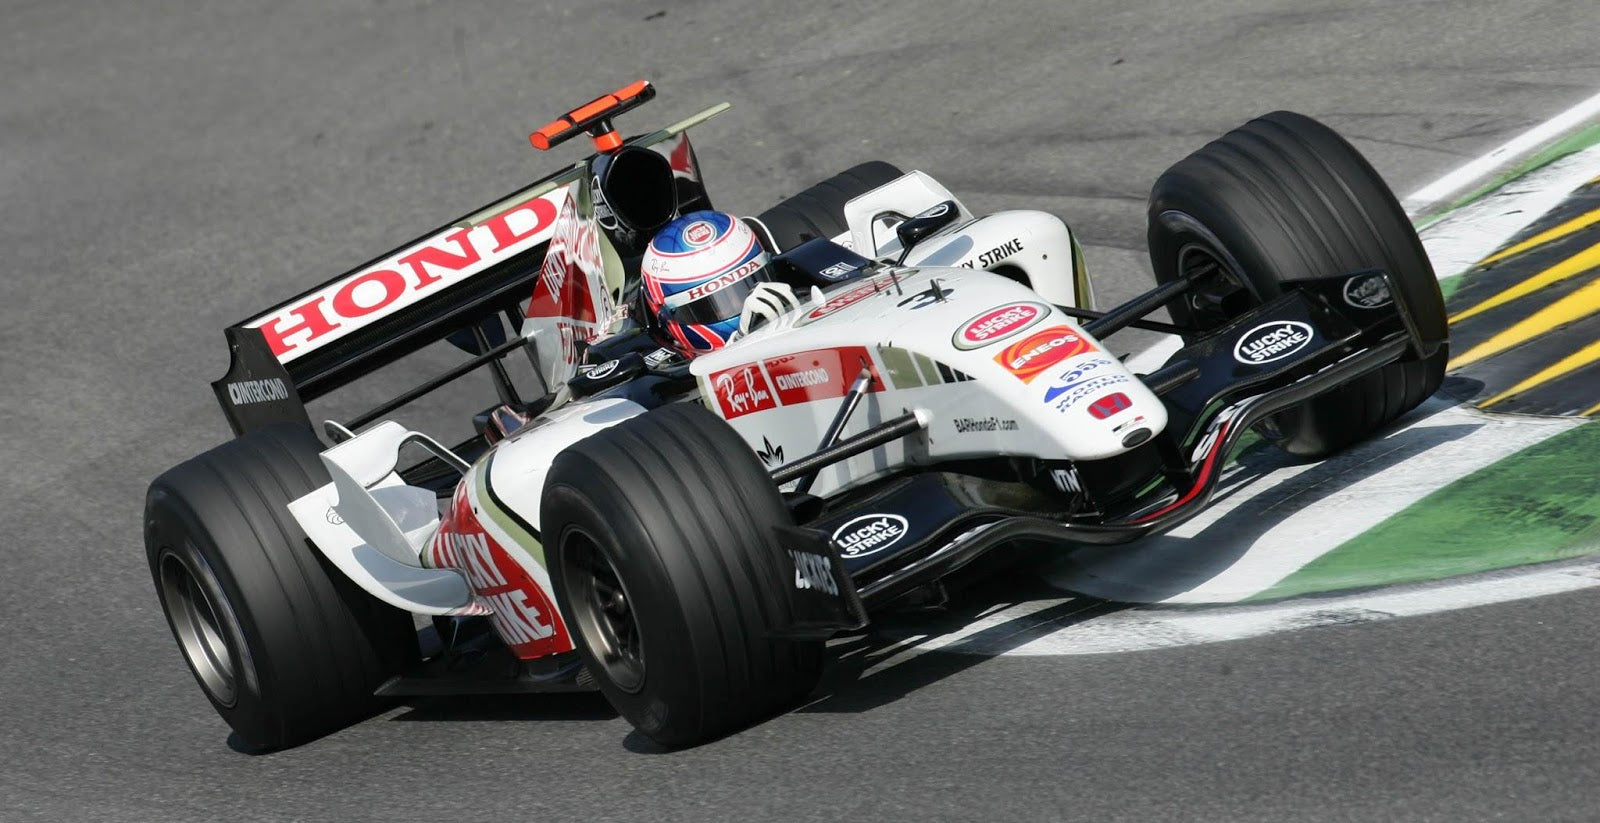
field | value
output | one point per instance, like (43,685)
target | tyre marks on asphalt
(1504,159)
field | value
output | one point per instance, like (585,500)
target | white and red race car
(684,535)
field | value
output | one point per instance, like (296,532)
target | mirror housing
(924,224)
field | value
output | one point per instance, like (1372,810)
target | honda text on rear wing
(511,259)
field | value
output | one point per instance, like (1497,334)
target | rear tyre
(284,646)
(659,536)
(1285,197)
(819,211)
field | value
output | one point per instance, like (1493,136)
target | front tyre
(659,533)
(283,645)
(1285,197)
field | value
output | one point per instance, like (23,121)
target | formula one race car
(685,533)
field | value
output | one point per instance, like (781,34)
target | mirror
(924,224)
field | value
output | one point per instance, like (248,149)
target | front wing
(919,528)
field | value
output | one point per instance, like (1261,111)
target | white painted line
(1504,155)
(1019,631)
(1474,231)
(1289,514)
(1301,534)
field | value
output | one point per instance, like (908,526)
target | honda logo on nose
(1109,405)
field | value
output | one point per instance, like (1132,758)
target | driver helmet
(696,274)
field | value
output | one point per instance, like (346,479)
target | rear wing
(445,284)
(450,279)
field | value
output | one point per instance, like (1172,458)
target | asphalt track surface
(168,168)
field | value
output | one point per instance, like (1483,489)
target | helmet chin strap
(766,302)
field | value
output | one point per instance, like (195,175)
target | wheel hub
(603,613)
(200,630)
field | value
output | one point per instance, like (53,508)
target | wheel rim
(200,629)
(1220,293)
(603,612)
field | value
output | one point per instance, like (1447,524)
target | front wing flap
(1312,325)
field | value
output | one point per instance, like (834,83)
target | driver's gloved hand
(767,301)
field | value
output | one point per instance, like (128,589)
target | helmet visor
(702,307)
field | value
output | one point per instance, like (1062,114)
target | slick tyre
(819,211)
(1286,197)
(659,536)
(284,646)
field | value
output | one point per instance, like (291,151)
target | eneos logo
(1031,355)
(997,324)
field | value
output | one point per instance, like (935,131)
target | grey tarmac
(171,167)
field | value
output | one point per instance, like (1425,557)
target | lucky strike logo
(997,324)
(572,265)
(412,275)
(524,615)
(1270,342)
(570,297)
(599,371)
(1029,357)
(742,390)
(848,297)
(870,533)
(699,233)
(680,157)
(1369,292)
(813,571)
